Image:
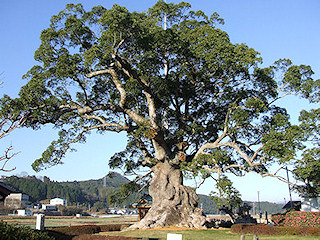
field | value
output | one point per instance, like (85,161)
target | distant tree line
(209,207)
(97,193)
(76,192)
(40,190)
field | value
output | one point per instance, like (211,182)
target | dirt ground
(65,221)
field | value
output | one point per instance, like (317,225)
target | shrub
(250,228)
(113,227)
(87,229)
(58,236)
(264,229)
(77,230)
(297,219)
(15,232)
(70,211)
(278,219)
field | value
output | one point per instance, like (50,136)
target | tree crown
(213,110)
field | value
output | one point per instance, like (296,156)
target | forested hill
(97,191)
(90,191)
(209,207)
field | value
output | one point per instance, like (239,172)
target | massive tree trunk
(172,203)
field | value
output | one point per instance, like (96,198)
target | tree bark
(172,203)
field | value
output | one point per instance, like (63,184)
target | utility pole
(166,125)
(105,181)
(166,54)
(165,19)
(259,206)
(289,187)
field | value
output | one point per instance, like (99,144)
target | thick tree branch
(130,72)
(123,96)
(116,127)
(98,73)
(158,141)
(216,143)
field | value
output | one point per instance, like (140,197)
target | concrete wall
(310,204)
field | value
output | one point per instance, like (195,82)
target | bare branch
(7,125)
(82,87)
(283,179)
(142,177)
(5,158)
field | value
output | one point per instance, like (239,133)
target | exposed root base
(173,203)
(169,218)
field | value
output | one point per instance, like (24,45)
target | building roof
(5,190)
(296,205)
(144,201)
(58,198)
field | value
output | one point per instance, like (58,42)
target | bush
(113,227)
(85,232)
(70,211)
(297,219)
(88,229)
(15,232)
(264,229)
(77,230)
(58,236)
(250,228)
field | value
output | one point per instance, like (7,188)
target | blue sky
(275,28)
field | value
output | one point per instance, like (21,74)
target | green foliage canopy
(227,195)
(307,168)
(103,70)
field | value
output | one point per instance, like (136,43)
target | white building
(17,200)
(58,201)
(24,212)
(310,204)
(49,207)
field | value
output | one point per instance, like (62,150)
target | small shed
(143,205)
(296,205)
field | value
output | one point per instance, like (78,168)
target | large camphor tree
(190,101)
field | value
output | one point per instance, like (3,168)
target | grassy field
(161,234)
(69,221)
(201,235)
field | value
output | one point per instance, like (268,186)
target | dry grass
(221,234)
(51,221)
